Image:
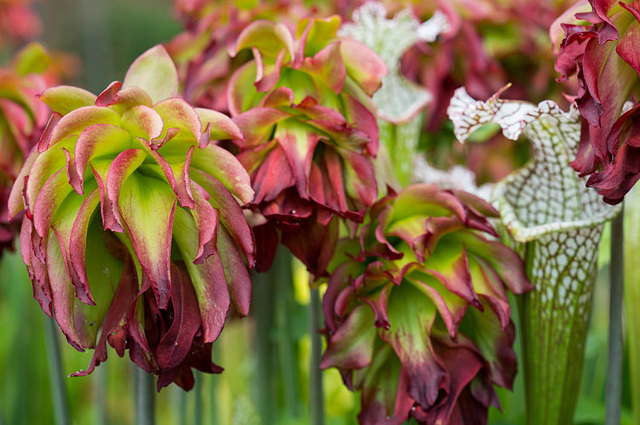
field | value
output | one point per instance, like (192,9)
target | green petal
(147,207)
(64,99)
(155,73)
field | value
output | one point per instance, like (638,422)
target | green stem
(316,397)
(197,393)
(286,345)
(145,398)
(632,293)
(100,386)
(56,375)
(616,347)
(262,308)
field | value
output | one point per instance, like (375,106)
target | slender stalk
(616,348)
(56,374)
(145,398)
(213,391)
(285,343)
(197,393)
(262,308)
(632,293)
(316,397)
(100,386)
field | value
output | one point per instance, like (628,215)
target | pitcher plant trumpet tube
(555,223)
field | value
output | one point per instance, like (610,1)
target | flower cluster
(604,57)
(22,119)
(132,221)
(304,106)
(416,310)
(201,51)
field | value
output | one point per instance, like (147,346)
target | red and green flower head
(603,54)
(416,310)
(304,106)
(133,232)
(211,28)
(22,119)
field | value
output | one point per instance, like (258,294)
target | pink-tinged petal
(351,347)
(314,34)
(109,212)
(273,176)
(179,114)
(76,121)
(378,303)
(78,249)
(363,65)
(63,293)
(47,164)
(49,199)
(385,400)
(489,287)
(360,179)
(505,261)
(231,213)
(235,271)
(37,270)
(94,141)
(222,165)
(207,219)
(107,94)
(64,99)
(220,126)
(62,225)
(129,97)
(177,173)
(147,208)
(15,202)
(266,36)
(241,93)
(116,317)
(327,66)
(450,265)
(278,98)
(463,365)
(411,319)
(121,168)
(142,121)
(176,343)
(255,125)
(495,342)
(103,273)
(155,73)
(208,279)
(361,117)
(451,307)
(427,200)
(326,184)
(298,143)
(45,138)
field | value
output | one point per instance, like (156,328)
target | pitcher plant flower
(555,222)
(304,106)
(400,102)
(211,27)
(416,310)
(604,57)
(133,234)
(22,119)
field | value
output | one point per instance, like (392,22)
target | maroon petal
(176,343)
